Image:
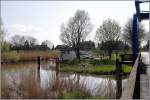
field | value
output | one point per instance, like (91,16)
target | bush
(73,62)
(102,62)
(11,56)
(95,62)
(5,47)
(106,61)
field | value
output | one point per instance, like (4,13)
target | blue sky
(42,19)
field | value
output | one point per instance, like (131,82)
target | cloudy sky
(42,19)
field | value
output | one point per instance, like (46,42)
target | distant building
(63,48)
(67,53)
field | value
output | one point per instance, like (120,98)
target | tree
(17,40)
(76,30)
(127,32)
(114,45)
(53,47)
(147,45)
(48,43)
(23,42)
(1,31)
(109,31)
(5,46)
(87,45)
(26,45)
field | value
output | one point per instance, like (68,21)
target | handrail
(128,91)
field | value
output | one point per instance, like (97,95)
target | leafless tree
(109,31)
(47,43)
(76,30)
(127,32)
(18,40)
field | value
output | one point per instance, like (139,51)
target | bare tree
(76,30)
(127,32)
(109,31)
(47,43)
(18,40)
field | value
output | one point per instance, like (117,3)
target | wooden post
(38,69)
(118,79)
(57,67)
(60,93)
(39,62)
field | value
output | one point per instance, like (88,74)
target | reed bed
(28,55)
(60,88)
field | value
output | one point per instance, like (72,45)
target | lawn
(92,68)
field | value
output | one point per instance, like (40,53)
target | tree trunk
(77,52)
(109,53)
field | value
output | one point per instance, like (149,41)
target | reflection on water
(95,84)
(46,77)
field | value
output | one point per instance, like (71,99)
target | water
(16,72)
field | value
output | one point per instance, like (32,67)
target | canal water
(96,84)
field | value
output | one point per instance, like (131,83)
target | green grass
(127,68)
(92,66)
(105,68)
(72,95)
(93,69)
(78,95)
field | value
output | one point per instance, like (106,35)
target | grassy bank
(103,69)
(14,56)
(90,66)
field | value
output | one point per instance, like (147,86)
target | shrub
(95,62)
(73,62)
(11,56)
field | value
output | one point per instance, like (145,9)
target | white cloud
(39,33)
(26,29)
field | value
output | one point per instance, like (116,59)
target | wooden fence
(132,88)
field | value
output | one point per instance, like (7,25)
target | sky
(42,19)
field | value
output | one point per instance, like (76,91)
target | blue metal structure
(137,17)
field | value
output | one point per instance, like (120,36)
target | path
(145,78)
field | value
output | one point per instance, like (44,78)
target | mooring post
(39,62)
(118,79)
(57,67)
(57,77)
(57,70)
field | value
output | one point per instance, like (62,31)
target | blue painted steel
(137,17)
(144,16)
(137,7)
(140,15)
(135,46)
